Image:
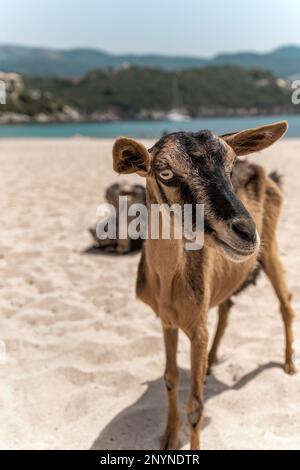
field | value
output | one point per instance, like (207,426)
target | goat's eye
(166,175)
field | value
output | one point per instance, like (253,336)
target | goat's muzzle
(238,238)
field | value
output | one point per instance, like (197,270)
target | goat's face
(195,168)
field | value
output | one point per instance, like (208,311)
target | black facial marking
(188,197)
(173,183)
(186,194)
(162,193)
(207,228)
(223,201)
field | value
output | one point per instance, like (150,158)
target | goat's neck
(180,272)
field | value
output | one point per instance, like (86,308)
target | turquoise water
(143,129)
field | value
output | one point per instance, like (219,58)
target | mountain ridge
(42,61)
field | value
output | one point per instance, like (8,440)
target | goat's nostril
(245,230)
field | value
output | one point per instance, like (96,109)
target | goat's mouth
(234,253)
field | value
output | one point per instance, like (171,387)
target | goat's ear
(129,156)
(254,140)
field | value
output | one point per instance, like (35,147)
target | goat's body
(241,205)
(181,286)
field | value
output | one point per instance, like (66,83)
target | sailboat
(176,114)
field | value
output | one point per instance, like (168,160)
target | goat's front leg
(199,353)
(170,440)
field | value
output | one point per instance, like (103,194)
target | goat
(241,207)
(135,194)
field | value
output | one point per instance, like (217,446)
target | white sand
(84,358)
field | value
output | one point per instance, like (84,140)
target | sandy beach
(84,358)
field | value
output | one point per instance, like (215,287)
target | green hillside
(136,93)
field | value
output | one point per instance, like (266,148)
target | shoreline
(20,119)
(142,129)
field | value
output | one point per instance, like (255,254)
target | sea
(143,129)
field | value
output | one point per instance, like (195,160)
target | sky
(186,27)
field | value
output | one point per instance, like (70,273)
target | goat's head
(195,168)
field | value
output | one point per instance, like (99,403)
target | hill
(136,93)
(283,62)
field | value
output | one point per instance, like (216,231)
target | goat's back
(262,195)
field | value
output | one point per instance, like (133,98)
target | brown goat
(135,194)
(242,206)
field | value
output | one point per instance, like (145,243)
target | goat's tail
(276,177)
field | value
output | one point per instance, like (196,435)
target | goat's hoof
(169,441)
(289,368)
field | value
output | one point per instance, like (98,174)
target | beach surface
(84,359)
